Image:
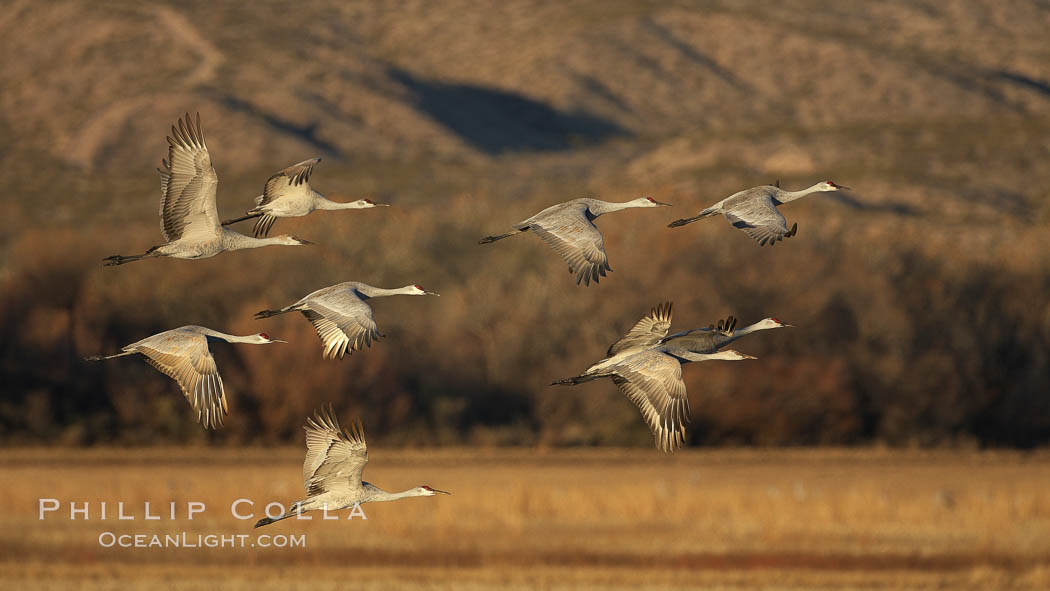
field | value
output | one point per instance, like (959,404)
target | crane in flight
(287,194)
(335,461)
(189,219)
(569,229)
(341,315)
(646,365)
(184,356)
(755,210)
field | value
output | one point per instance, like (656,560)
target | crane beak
(432,293)
(746,356)
(843,188)
(442,492)
(662,203)
(278,341)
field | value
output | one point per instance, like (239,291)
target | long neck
(237,241)
(745,331)
(378,292)
(788,196)
(724,355)
(322,202)
(688,356)
(229,338)
(380,495)
(599,207)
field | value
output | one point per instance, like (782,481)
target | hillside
(920,295)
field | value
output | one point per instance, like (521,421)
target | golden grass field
(538,518)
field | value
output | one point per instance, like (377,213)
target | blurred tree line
(904,341)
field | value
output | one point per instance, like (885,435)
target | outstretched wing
(295,177)
(188,182)
(576,239)
(185,358)
(648,331)
(343,322)
(760,219)
(652,380)
(335,457)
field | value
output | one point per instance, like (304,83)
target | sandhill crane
(188,217)
(183,355)
(755,210)
(287,194)
(340,315)
(569,229)
(646,365)
(335,459)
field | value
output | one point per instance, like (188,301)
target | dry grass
(524,518)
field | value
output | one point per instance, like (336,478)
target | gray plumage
(646,364)
(341,316)
(189,219)
(183,355)
(288,194)
(755,211)
(569,229)
(332,471)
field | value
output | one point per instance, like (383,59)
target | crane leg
(684,221)
(489,239)
(578,380)
(119,259)
(104,357)
(241,219)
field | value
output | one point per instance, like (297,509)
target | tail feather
(703,214)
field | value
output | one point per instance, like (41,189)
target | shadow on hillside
(307,133)
(1033,84)
(497,121)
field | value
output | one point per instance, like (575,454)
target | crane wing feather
(296,176)
(185,357)
(759,218)
(188,183)
(335,457)
(572,235)
(343,322)
(650,330)
(652,380)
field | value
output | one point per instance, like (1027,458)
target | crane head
(772,323)
(366,203)
(291,240)
(418,290)
(650,202)
(426,491)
